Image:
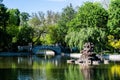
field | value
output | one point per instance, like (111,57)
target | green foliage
(114,17)
(5,40)
(51,35)
(90,15)
(115,43)
(4,16)
(37,22)
(114,24)
(52,17)
(89,25)
(25,35)
(43,26)
(12,30)
(14,18)
(94,35)
(37,19)
(67,15)
(24,17)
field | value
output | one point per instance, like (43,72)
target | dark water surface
(55,68)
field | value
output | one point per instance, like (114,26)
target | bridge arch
(56,49)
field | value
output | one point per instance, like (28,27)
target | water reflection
(73,73)
(86,71)
(115,71)
(56,68)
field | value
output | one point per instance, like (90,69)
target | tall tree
(4,16)
(89,25)
(51,36)
(95,35)
(38,23)
(13,22)
(114,18)
(24,17)
(25,35)
(67,15)
(14,17)
(5,38)
(52,17)
(90,15)
(114,24)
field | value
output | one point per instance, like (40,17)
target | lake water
(54,68)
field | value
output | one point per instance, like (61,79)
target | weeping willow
(78,38)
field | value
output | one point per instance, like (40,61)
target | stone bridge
(56,49)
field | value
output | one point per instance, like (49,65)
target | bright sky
(41,5)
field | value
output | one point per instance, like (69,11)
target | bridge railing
(56,49)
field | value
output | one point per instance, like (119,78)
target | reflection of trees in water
(95,72)
(24,74)
(47,71)
(34,62)
(115,71)
(73,73)
(86,71)
(103,72)
(8,74)
(8,63)
(39,69)
(99,72)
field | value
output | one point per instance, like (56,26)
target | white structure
(114,57)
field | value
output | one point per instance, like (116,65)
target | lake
(54,68)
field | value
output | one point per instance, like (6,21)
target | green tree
(24,17)
(25,35)
(114,25)
(13,31)
(90,15)
(114,18)
(14,17)
(37,21)
(89,25)
(13,23)
(95,35)
(4,16)
(52,17)
(67,15)
(51,35)
(42,23)
(5,38)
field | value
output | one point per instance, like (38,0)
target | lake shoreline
(112,57)
(14,54)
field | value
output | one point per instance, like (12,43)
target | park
(76,43)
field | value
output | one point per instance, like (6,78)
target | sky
(32,6)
